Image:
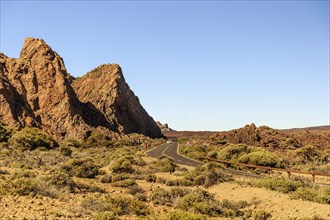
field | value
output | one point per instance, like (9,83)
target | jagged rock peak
(36,48)
(36,90)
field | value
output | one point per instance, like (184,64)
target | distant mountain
(36,90)
(324,127)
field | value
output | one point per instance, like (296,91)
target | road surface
(171,150)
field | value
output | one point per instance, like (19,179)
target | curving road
(171,150)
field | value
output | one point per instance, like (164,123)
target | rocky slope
(36,90)
(275,139)
(106,89)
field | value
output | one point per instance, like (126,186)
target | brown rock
(36,90)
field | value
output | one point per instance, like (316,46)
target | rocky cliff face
(36,90)
(106,89)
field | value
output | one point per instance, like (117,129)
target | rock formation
(36,90)
(164,127)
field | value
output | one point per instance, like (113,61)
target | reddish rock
(36,90)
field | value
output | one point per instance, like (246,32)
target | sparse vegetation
(113,180)
(279,184)
(83,167)
(32,138)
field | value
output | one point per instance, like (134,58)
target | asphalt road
(170,150)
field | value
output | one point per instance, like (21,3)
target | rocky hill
(36,90)
(275,139)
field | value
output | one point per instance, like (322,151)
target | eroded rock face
(106,89)
(36,90)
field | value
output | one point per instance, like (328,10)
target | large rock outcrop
(36,90)
(106,89)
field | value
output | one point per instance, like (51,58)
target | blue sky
(197,65)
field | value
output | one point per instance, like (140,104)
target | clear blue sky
(197,65)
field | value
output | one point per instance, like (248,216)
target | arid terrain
(85,148)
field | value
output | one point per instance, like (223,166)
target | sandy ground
(279,204)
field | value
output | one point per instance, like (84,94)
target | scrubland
(102,178)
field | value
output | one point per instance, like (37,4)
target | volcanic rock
(36,90)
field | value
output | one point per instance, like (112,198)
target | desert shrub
(261,215)
(325,156)
(66,151)
(161,180)
(141,197)
(26,183)
(202,202)
(179,182)
(124,205)
(32,138)
(233,151)
(71,143)
(151,178)
(308,153)
(98,140)
(279,184)
(179,192)
(161,197)
(122,165)
(207,175)
(94,204)
(135,189)
(197,203)
(120,177)
(88,188)
(122,152)
(5,133)
(82,167)
(196,151)
(212,154)
(61,180)
(106,178)
(107,215)
(260,158)
(320,195)
(165,164)
(125,183)
(185,215)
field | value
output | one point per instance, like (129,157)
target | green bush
(279,184)
(308,153)
(200,202)
(106,178)
(261,215)
(122,165)
(261,158)
(213,154)
(107,215)
(135,189)
(5,133)
(60,180)
(161,196)
(185,215)
(26,183)
(66,151)
(125,183)
(207,175)
(165,164)
(124,205)
(320,195)
(98,140)
(233,151)
(82,167)
(151,178)
(32,138)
